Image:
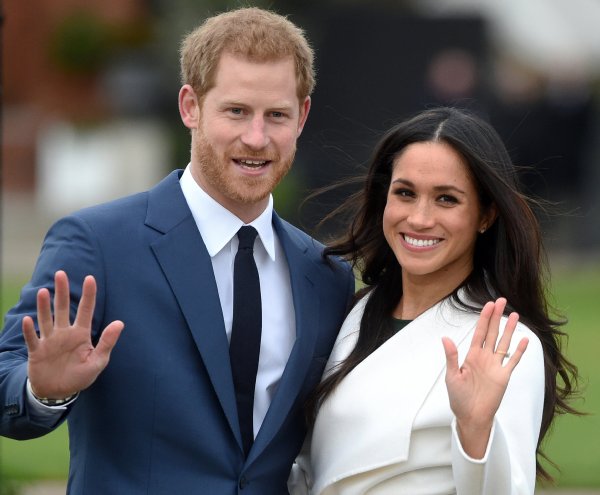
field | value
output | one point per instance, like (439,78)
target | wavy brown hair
(509,258)
(256,34)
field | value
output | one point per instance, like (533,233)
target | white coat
(388,427)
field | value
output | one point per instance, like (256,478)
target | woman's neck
(419,294)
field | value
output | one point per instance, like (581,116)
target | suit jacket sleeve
(70,246)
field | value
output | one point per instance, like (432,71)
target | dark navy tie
(244,347)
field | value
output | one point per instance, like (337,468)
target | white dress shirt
(218,228)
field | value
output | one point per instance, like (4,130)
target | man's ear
(189,107)
(304,109)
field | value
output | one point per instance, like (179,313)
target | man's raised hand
(62,360)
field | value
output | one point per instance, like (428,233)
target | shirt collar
(217,225)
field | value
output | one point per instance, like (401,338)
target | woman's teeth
(420,242)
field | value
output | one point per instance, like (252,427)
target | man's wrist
(54,402)
(50,401)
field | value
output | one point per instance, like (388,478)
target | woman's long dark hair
(509,259)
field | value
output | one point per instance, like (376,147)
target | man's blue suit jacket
(161,418)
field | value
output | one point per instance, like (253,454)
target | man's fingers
(85,311)
(108,339)
(31,338)
(44,313)
(61,300)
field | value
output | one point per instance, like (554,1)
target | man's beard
(216,171)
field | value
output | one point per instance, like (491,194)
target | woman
(422,393)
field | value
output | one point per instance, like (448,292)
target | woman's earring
(482,230)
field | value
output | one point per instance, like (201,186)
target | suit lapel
(195,289)
(187,266)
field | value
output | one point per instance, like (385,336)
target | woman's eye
(446,198)
(404,193)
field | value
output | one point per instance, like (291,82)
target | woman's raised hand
(476,388)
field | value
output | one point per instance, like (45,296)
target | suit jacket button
(243,483)
(11,409)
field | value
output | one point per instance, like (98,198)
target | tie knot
(246,236)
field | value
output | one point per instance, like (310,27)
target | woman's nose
(421,216)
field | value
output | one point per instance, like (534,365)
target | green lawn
(42,458)
(573,444)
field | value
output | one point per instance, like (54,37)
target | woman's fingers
(516,356)
(504,343)
(482,325)
(494,324)
(488,327)
(451,355)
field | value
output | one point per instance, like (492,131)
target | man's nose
(255,135)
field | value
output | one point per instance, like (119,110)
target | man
(137,354)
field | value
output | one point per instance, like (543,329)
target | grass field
(573,444)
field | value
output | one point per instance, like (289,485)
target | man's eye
(236,111)
(277,115)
